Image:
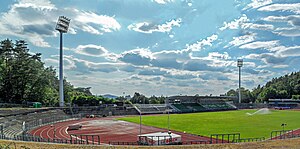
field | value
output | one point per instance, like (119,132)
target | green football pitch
(246,123)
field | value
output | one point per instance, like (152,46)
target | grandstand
(152,108)
(284,103)
(104,110)
(186,104)
(25,119)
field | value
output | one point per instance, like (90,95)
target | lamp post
(240,64)
(61,26)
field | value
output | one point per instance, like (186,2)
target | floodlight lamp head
(63,24)
(240,62)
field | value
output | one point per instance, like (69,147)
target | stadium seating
(182,108)
(216,105)
(205,105)
(189,107)
(104,110)
(151,108)
(13,125)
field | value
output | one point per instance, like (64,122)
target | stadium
(183,120)
(202,74)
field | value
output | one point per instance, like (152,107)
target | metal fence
(241,140)
(284,134)
(85,139)
(49,120)
(123,143)
(224,138)
(17,127)
(190,142)
(39,139)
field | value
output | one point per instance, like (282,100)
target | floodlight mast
(61,26)
(240,64)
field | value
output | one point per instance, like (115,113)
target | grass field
(206,123)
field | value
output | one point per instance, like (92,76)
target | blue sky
(161,47)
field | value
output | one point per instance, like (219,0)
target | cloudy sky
(161,47)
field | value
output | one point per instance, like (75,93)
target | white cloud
(108,24)
(288,32)
(35,20)
(217,55)
(293,20)
(41,4)
(91,50)
(294,7)
(218,60)
(289,51)
(262,26)
(236,24)
(275,18)
(244,23)
(84,66)
(139,56)
(200,44)
(237,41)
(278,57)
(53,61)
(280,66)
(260,45)
(90,29)
(293,30)
(163,1)
(174,59)
(146,27)
(16,22)
(257,3)
(270,59)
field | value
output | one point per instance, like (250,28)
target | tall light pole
(240,64)
(61,26)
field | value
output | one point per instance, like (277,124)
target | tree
(23,78)
(269,93)
(231,93)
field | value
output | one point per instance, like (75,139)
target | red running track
(109,130)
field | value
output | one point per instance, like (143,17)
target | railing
(241,140)
(17,128)
(39,139)
(85,139)
(49,120)
(190,142)
(283,134)
(122,143)
(224,138)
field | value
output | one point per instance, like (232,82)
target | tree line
(284,87)
(139,98)
(25,78)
